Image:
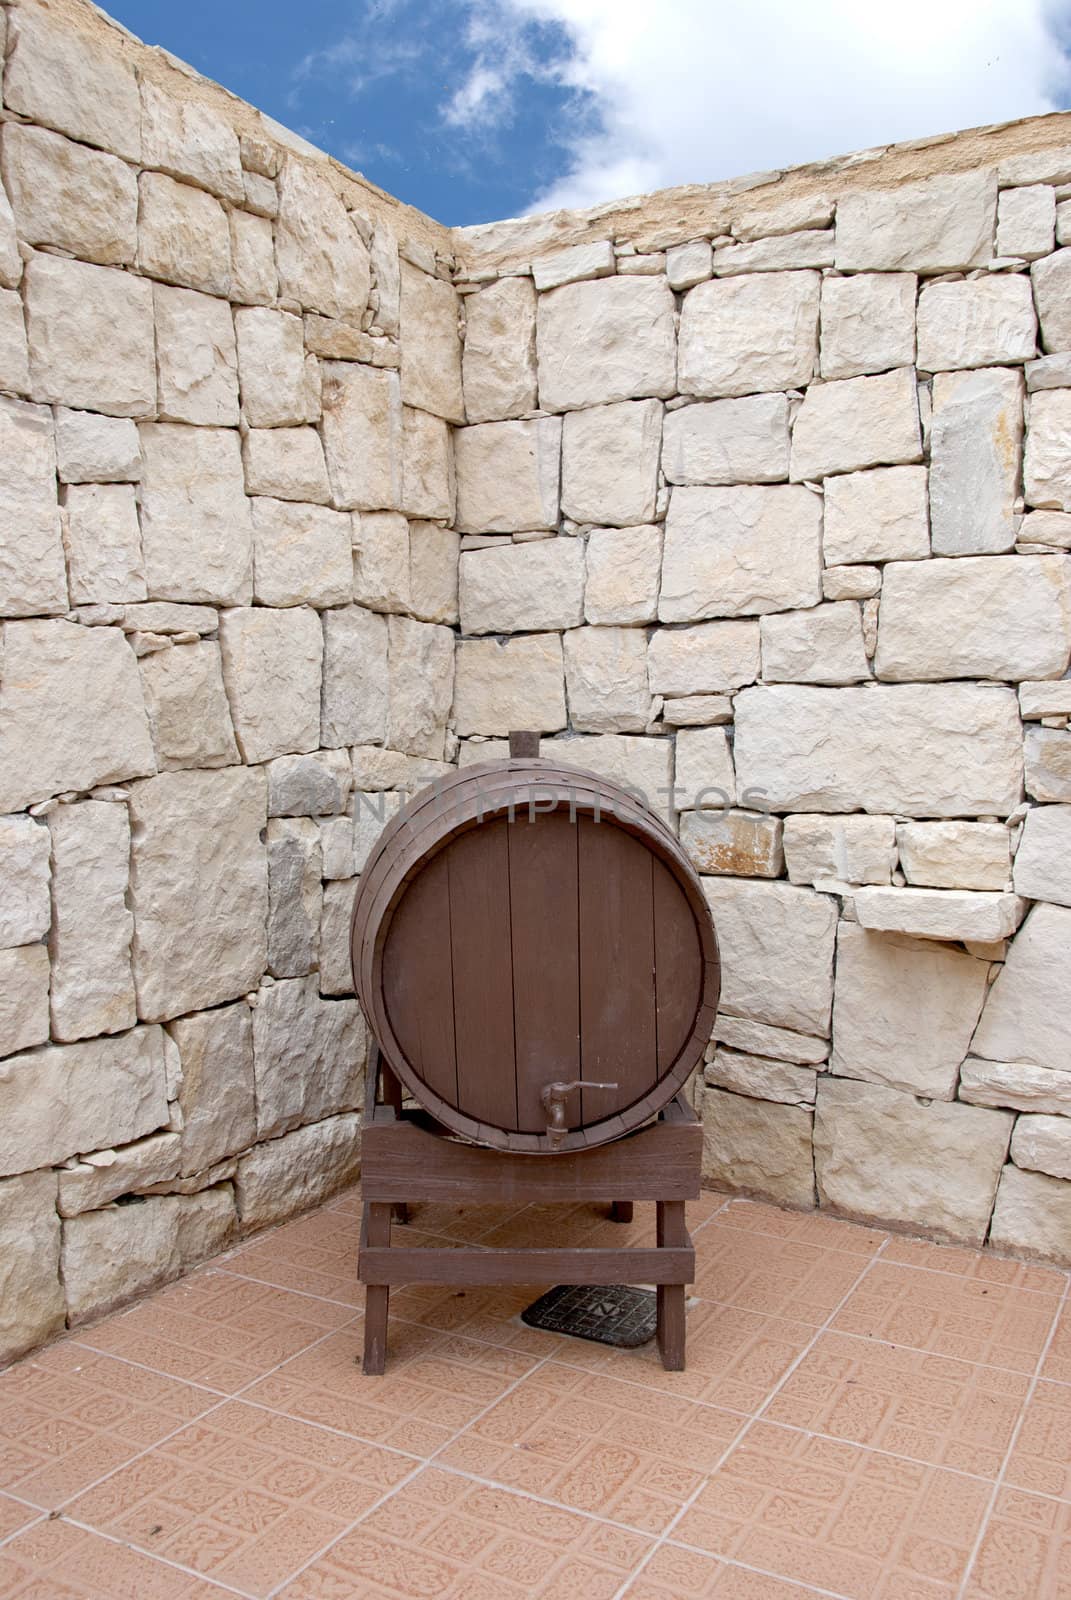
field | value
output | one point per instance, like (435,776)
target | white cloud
(690,91)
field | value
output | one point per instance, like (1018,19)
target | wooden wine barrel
(535,956)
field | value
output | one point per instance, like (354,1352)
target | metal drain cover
(620,1315)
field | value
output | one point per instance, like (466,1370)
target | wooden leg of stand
(376,1295)
(621,1211)
(671,1232)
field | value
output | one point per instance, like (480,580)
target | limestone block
(69,1098)
(1046,527)
(1026,218)
(704,770)
(758,1147)
(216,1097)
(740,551)
(111,1255)
(309,786)
(187,706)
(624,566)
(523,587)
(90,332)
(290,1174)
(322,260)
(433,572)
(430,345)
(1043,859)
(183,235)
(371,813)
(642,766)
(421,659)
(1052,291)
(271,671)
(33,578)
(812,247)
(904,1011)
(59,76)
(94,449)
(746,335)
(336,977)
(285,464)
(362,435)
(979,616)
(89,942)
(981,322)
(195,523)
(381,560)
(302,554)
(739,844)
(1017,1084)
(824,645)
(25,911)
(926,752)
(1047,463)
(198,887)
(856,422)
(31,1296)
(688,264)
(308,1056)
(960,914)
(294,895)
(976,439)
(76,200)
(104,1175)
(1024,1017)
(102,537)
(570,266)
(473,752)
(1051,699)
(23,998)
(386,269)
(697,710)
(1032,1216)
(71,714)
(1043,1144)
(375,768)
(10,256)
(606,679)
(880,515)
(780,1044)
(507,476)
(428,488)
(1037,166)
(883,1155)
(499,368)
(598,342)
(850,849)
(955,855)
(761,1079)
(516,684)
(271,362)
(14,350)
(188,139)
(851,583)
(1048,372)
(253,277)
(711,657)
(728,441)
(207,1222)
(868,323)
(777,952)
(1047,754)
(941,224)
(610,462)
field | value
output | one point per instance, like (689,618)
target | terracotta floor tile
(674,1573)
(1026,1551)
(967,1263)
(56,1560)
(1041,1459)
(806,1227)
(14,1514)
(491,1315)
(777,1276)
(69,1415)
(969,1318)
(1057,1363)
(836,1516)
(929,1408)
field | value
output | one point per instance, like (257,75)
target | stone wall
(307,498)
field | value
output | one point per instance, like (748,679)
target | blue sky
(479,109)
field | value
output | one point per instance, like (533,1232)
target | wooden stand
(407,1156)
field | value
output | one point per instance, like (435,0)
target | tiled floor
(863,1416)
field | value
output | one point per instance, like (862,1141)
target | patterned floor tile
(776,1276)
(57,1561)
(69,1415)
(969,1318)
(925,1407)
(836,1516)
(968,1263)
(14,1514)
(1026,1551)
(805,1227)
(1057,1363)
(490,1315)
(618,1450)
(244,1496)
(1041,1459)
(674,1573)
